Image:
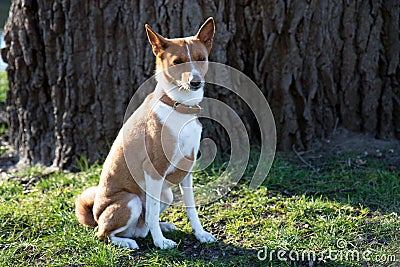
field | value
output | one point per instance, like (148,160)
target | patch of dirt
(191,249)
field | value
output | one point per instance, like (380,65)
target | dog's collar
(181,108)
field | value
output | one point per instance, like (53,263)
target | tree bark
(73,66)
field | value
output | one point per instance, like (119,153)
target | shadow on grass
(191,251)
(357,179)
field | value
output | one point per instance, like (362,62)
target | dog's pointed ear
(156,40)
(206,33)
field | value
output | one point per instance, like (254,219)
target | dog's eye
(201,59)
(178,61)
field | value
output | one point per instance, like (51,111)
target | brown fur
(114,215)
(84,207)
(156,134)
(168,50)
(117,185)
(137,149)
(181,169)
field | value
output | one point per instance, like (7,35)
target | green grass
(3,95)
(296,209)
(3,87)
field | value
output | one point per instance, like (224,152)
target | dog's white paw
(165,243)
(205,237)
(124,242)
(167,227)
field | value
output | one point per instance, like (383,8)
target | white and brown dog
(155,149)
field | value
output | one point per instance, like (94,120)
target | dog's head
(183,62)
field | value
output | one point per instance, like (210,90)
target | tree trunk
(73,66)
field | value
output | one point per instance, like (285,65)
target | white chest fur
(185,128)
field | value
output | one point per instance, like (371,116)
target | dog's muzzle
(196,82)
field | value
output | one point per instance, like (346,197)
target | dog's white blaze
(194,70)
(189,55)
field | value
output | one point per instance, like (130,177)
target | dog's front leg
(188,198)
(153,192)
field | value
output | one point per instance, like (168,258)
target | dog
(154,150)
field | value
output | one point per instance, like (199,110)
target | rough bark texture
(73,66)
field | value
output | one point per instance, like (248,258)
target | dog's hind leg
(118,221)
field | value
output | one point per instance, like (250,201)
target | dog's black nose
(195,83)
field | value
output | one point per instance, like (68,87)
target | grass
(3,95)
(3,88)
(339,211)
(338,208)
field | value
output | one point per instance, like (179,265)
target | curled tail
(84,207)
